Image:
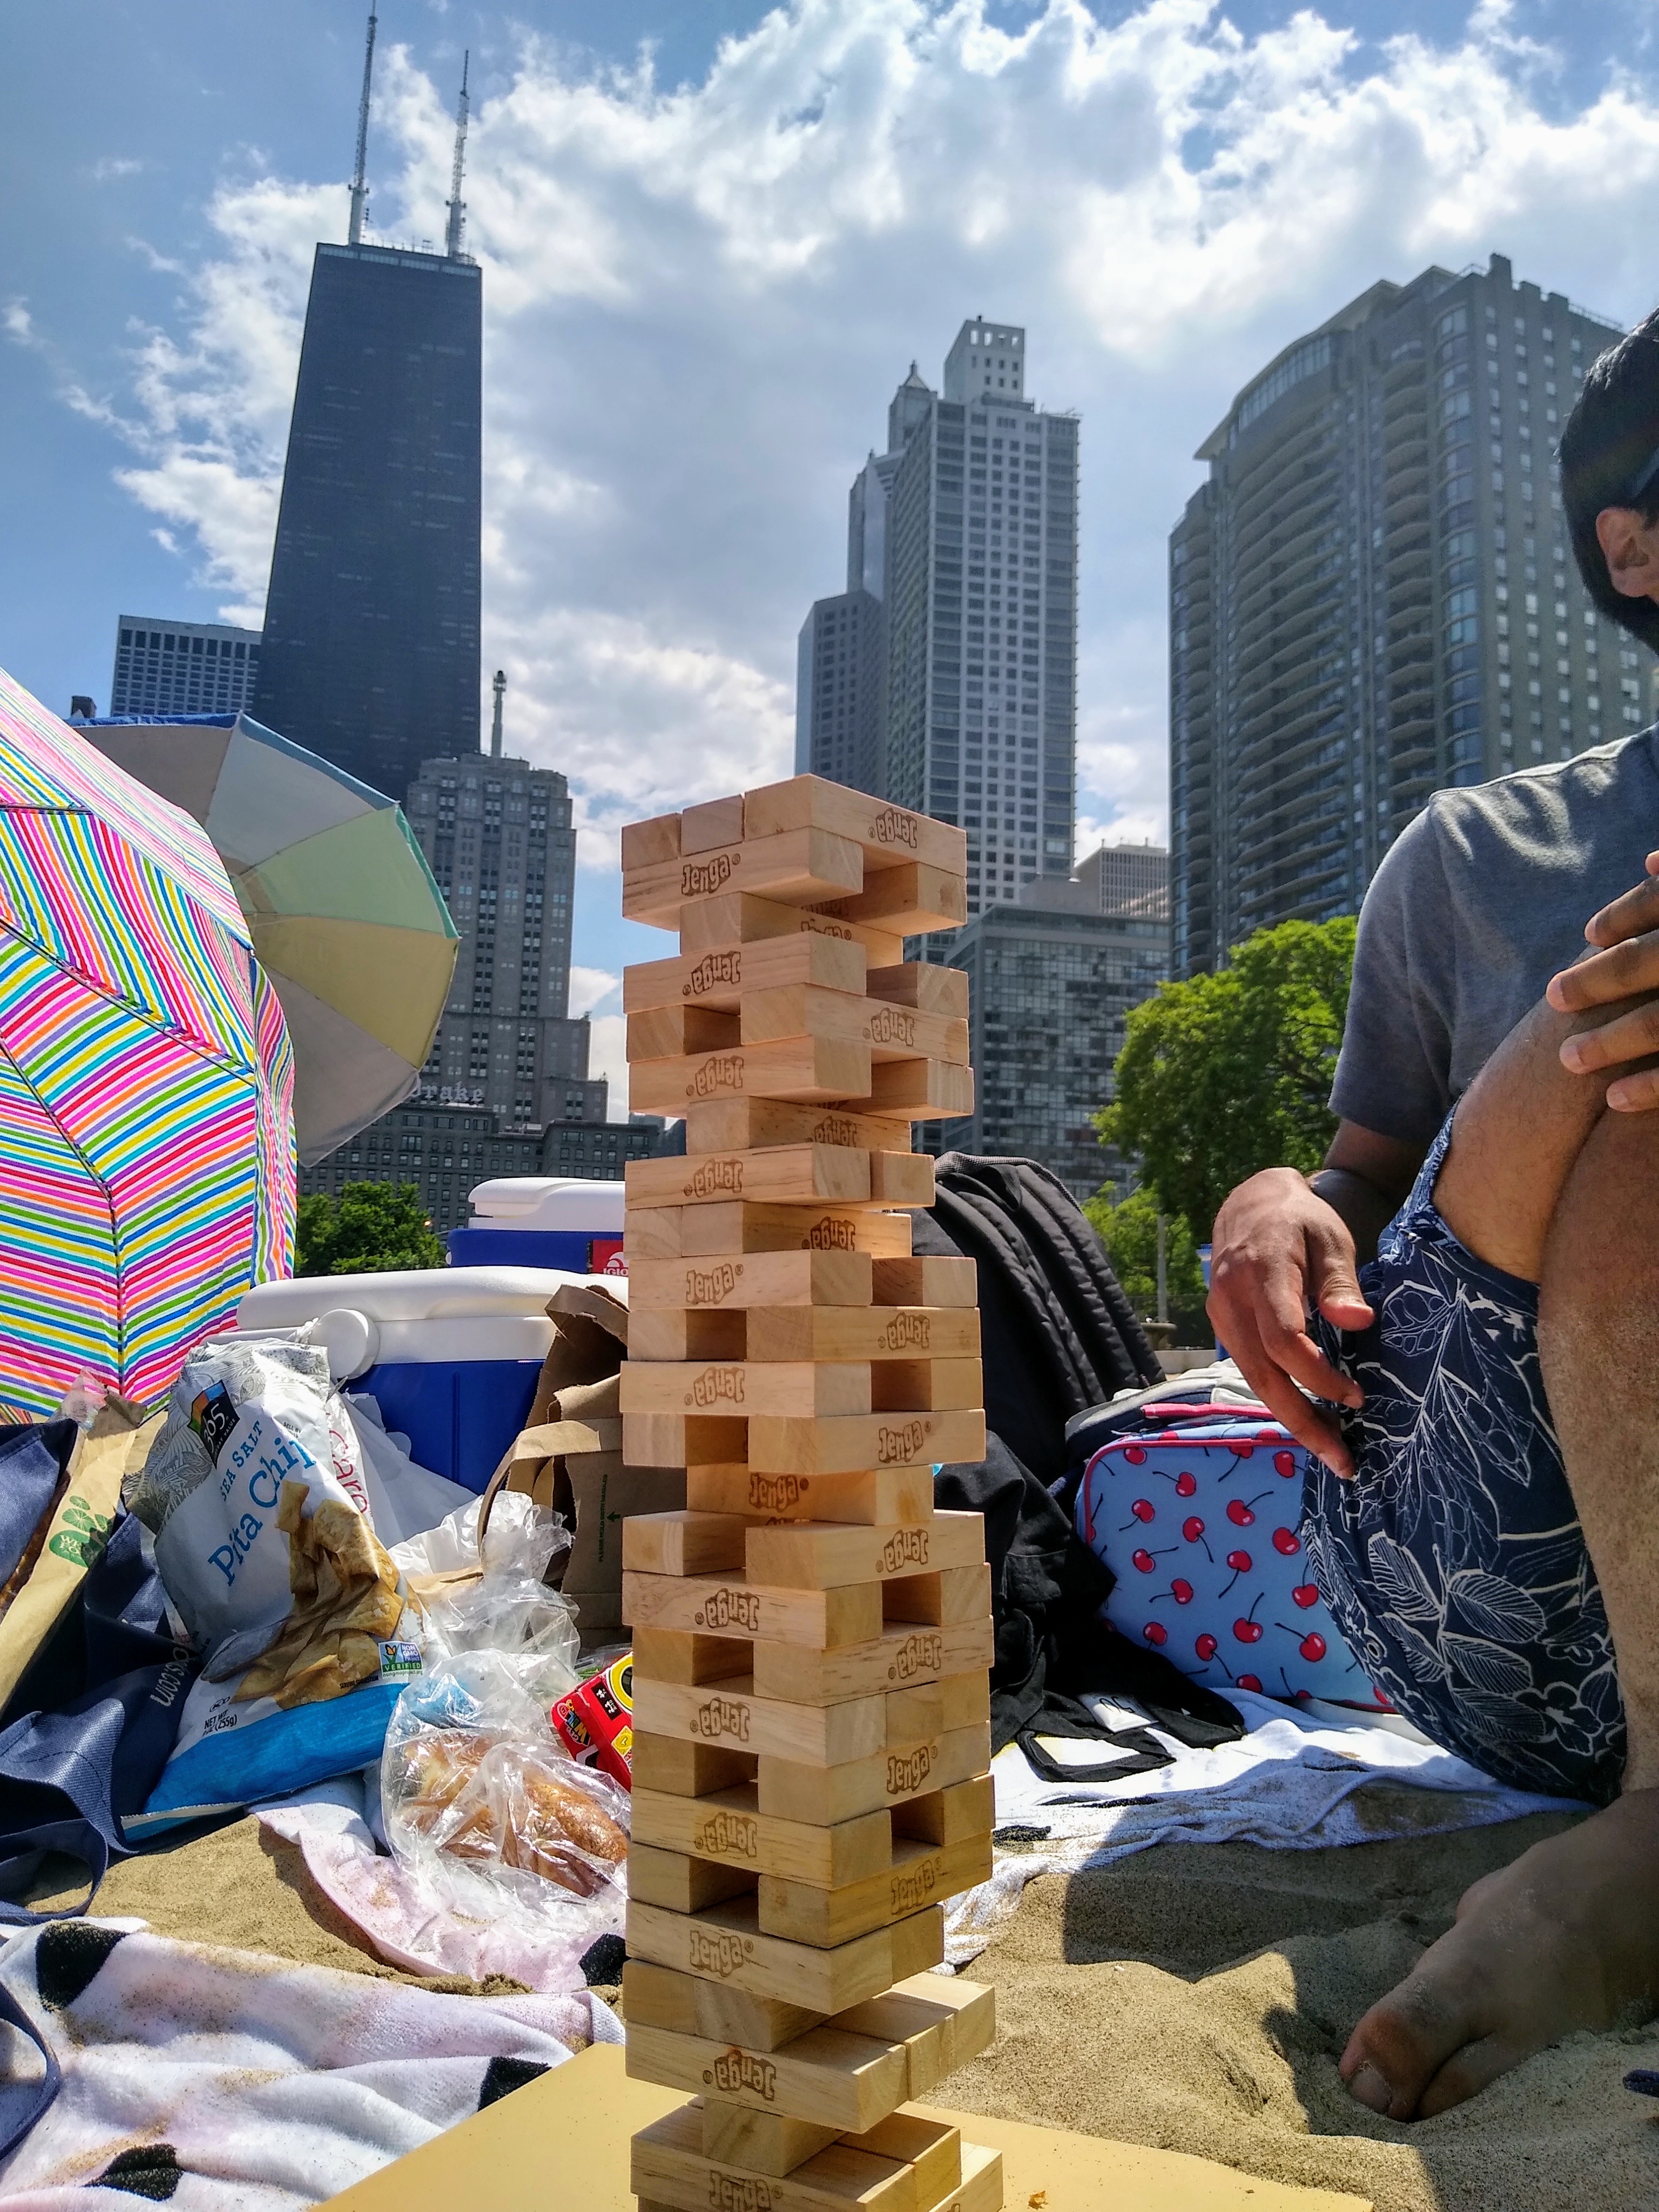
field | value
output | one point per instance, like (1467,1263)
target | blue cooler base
(459,1417)
(521,1247)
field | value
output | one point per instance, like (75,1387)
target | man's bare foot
(1566,1938)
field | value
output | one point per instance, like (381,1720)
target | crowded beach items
(812,1714)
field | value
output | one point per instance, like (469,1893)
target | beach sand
(1197,1997)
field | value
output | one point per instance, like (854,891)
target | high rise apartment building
(839,688)
(1373,596)
(182,668)
(1128,879)
(965,534)
(371,638)
(497,835)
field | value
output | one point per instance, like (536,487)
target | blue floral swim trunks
(1454,1561)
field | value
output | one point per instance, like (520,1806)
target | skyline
(698,296)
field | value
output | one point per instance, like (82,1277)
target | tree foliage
(372,1228)
(1129,1232)
(1227,1074)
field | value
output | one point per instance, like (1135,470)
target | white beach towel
(1291,1784)
(221,2080)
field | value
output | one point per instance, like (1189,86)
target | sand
(1197,1997)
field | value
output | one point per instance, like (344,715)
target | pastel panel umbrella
(344,912)
(147,1172)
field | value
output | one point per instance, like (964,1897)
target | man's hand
(1278,1248)
(1624,965)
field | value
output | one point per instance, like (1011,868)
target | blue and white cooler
(542,1221)
(451,1355)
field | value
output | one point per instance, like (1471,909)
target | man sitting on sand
(1486,1520)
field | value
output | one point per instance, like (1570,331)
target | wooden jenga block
(690,2004)
(798,867)
(651,1232)
(815,1558)
(957,1594)
(901,1179)
(784,1444)
(840,2082)
(684,1543)
(829,1794)
(672,1032)
(772,2143)
(797,1010)
(746,1125)
(728,1827)
(876,1332)
(719,822)
(950,1815)
(869,1495)
(782,1174)
(954,2020)
(913,899)
(684,1440)
(803,1387)
(850,1613)
(918,984)
(921,1875)
(669,2168)
(668,1333)
(739,918)
(915,1088)
(687,1770)
(680,1884)
(769,1278)
(929,1280)
(888,836)
(645,844)
(932,2149)
(681,1654)
(898,1656)
(730,1713)
(740,1226)
(930,1386)
(725,1944)
(718,976)
(798,1069)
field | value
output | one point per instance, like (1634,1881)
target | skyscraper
(965,532)
(182,667)
(371,638)
(1372,596)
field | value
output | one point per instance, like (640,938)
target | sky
(714,237)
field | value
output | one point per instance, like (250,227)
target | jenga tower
(811,1640)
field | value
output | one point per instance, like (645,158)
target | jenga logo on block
(739,2192)
(774,1493)
(892,826)
(716,1386)
(734,2070)
(702,878)
(829,1235)
(721,1716)
(721,1071)
(707,1286)
(730,1832)
(910,1892)
(812,923)
(905,1548)
(908,1332)
(921,1654)
(716,1951)
(898,1447)
(909,1770)
(714,968)
(893,1025)
(729,1608)
(835,1129)
(716,1177)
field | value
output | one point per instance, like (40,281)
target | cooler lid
(419,1294)
(548,1203)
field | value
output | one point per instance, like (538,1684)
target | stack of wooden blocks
(811,1640)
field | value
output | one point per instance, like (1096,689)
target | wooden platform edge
(589,2110)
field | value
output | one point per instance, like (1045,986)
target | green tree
(372,1228)
(1226,1074)
(1129,1232)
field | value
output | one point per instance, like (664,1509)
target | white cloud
(699,302)
(591,987)
(114,166)
(608,1056)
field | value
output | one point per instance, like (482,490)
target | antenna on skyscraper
(457,205)
(498,685)
(359,186)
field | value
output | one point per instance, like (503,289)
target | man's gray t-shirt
(1479,903)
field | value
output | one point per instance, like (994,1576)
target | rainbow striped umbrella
(147,1175)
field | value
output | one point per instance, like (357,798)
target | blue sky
(704,274)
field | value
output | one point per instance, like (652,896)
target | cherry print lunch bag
(1197,1515)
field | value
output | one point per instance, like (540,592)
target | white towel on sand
(1290,1785)
(221,2080)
